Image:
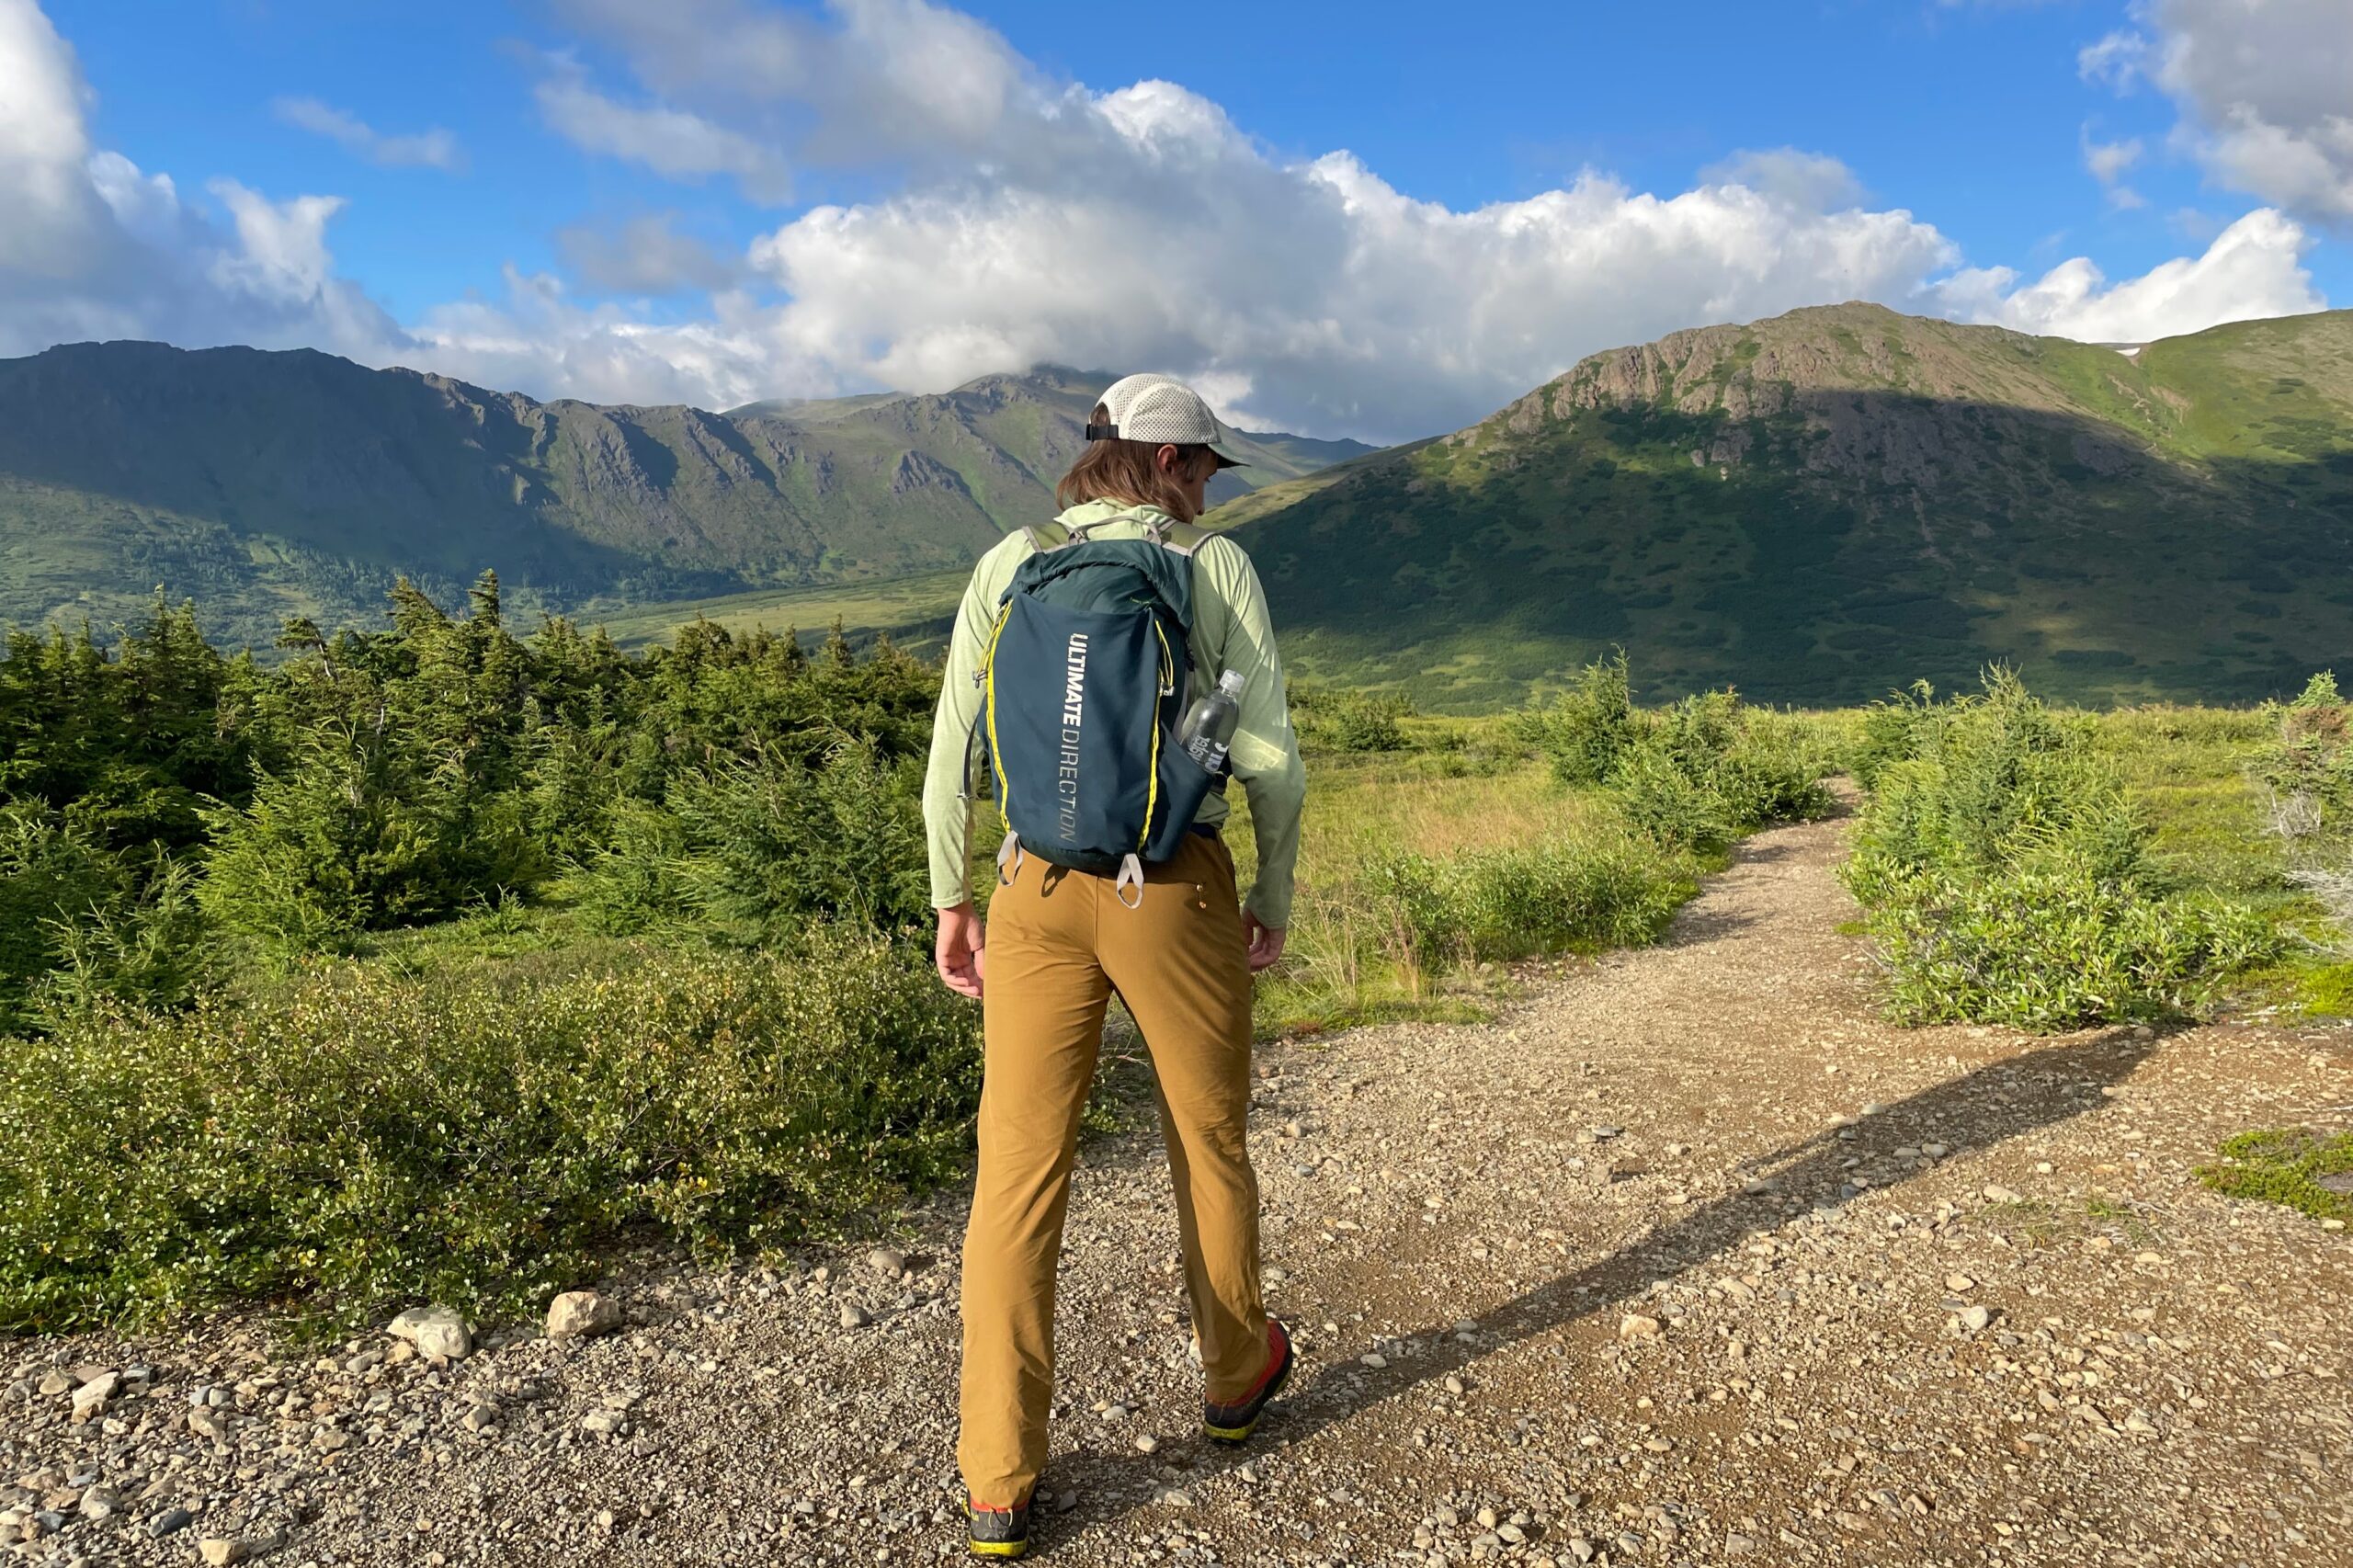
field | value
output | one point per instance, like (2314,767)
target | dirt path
(1674,1263)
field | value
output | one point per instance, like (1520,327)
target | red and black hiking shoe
(998,1532)
(1234,1422)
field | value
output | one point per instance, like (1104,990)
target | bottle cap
(1231,682)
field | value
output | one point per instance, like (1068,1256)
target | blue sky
(713,140)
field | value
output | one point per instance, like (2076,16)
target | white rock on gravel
(436,1332)
(91,1399)
(582,1314)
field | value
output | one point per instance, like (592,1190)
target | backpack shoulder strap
(1184,539)
(1043,536)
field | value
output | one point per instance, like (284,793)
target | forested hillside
(271,485)
(1823,505)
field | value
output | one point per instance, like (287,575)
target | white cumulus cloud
(93,246)
(643,254)
(2252,269)
(668,140)
(2109,162)
(2265,89)
(1017,218)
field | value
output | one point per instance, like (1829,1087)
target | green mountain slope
(1823,505)
(267,484)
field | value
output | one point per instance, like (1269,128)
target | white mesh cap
(1164,412)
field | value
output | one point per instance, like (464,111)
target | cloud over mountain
(2265,88)
(1013,217)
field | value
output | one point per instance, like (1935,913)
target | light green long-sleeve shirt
(1231,632)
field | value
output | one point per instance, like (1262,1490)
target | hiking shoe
(998,1532)
(1234,1422)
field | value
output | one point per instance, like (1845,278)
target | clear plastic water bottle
(1208,730)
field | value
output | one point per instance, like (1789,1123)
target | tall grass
(1407,882)
(1420,870)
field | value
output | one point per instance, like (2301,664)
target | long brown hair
(1127,471)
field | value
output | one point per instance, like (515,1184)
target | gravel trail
(1686,1257)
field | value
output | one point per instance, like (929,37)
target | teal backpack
(1083,682)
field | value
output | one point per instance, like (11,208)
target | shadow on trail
(1694,927)
(1986,1105)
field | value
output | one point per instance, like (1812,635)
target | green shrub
(638,883)
(50,876)
(80,927)
(1663,799)
(755,849)
(360,835)
(1699,775)
(1819,743)
(1600,891)
(2052,946)
(1364,721)
(361,1140)
(1891,732)
(1343,721)
(154,951)
(1761,783)
(2305,766)
(2006,876)
(1585,729)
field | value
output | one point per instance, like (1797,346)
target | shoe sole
(1000,1548)
(1233,1437)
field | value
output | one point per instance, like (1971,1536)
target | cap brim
(1224,461)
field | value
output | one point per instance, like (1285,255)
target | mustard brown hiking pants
(1059,943)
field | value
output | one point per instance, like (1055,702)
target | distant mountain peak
(294,482)
(1827,504)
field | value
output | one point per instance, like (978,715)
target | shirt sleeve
(947,804)
(1265,755)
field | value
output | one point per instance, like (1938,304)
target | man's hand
(957,953)
(1266,942)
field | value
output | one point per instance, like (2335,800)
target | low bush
(2302,1170)
(80,927)
(1699,775)
(1891,732)
(752,850)
(1349,720)
(1366,722)
(155,950)
(2305,765)
(1584,894)
(2005,873)
(354,838)
(1666,802)
(50,875)
(1583,731)
(2054,946)
(1693,776)
(359,1141)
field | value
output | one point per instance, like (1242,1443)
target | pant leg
(1043,999)
(1181,963)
